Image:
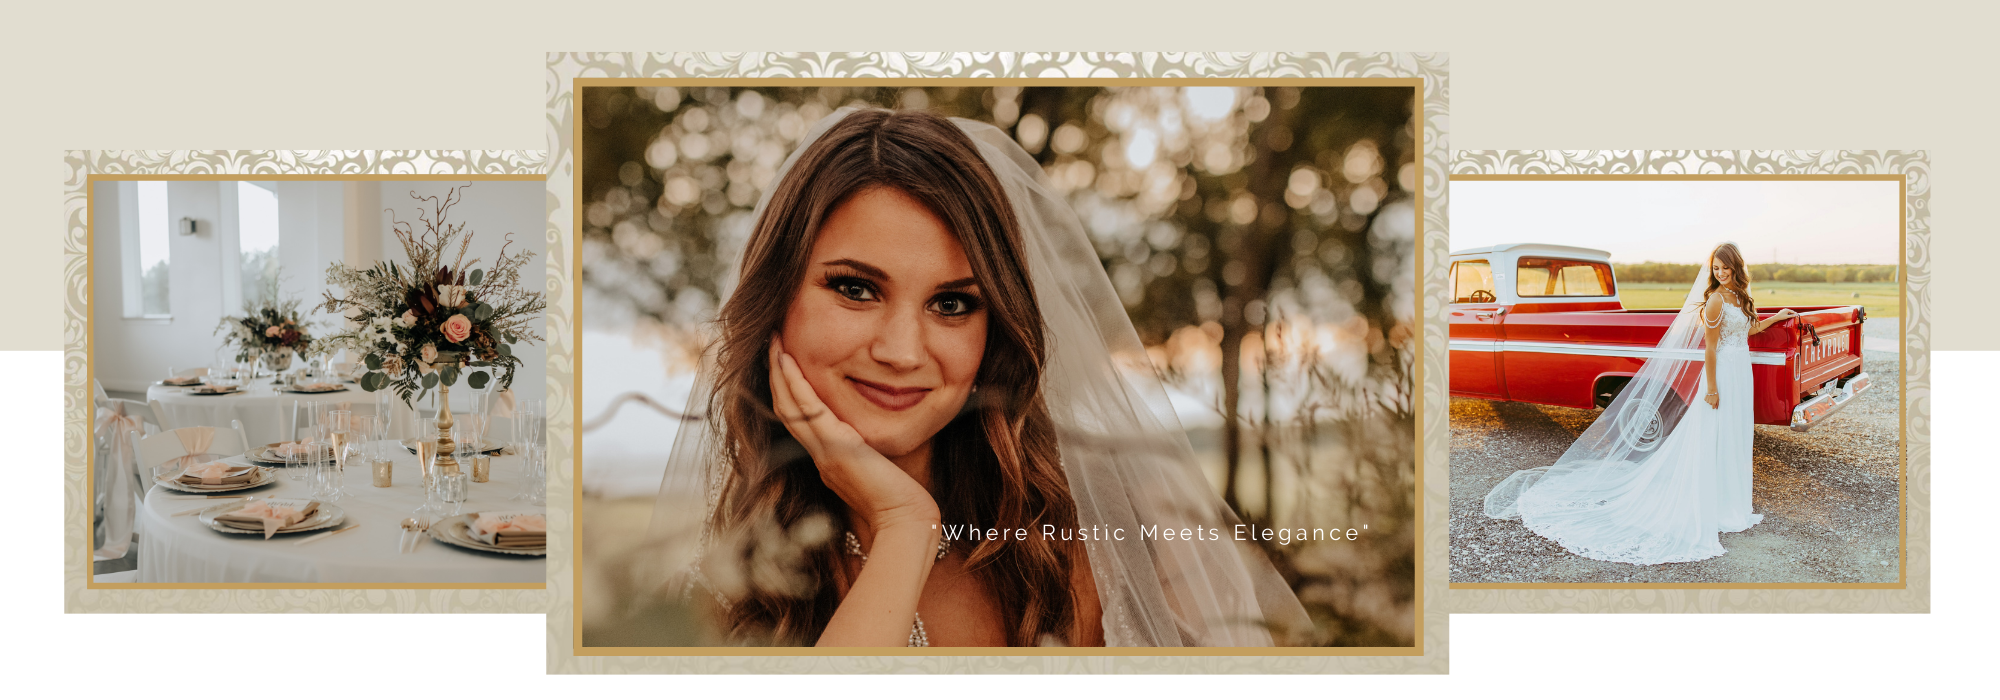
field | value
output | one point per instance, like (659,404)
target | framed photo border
(1912,593)
(81,170)
(568,71)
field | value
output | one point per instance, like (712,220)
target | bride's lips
(889,397)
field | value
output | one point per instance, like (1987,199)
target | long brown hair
(996,464)
(1739,278)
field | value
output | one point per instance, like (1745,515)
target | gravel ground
(1828,496)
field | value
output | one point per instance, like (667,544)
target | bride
(922,341)
(1658,476)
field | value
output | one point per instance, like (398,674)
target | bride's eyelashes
(861,290)
(851,288)
(956,304)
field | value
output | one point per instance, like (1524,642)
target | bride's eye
(955,304)
(853,288)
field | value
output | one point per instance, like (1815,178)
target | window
(1472,282)
(146,243)
(257,239)
(1549,277)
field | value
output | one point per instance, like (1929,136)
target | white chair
(160,415)
(157,450)
(113,492)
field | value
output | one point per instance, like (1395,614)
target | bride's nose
(899,340)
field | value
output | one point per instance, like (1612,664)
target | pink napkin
(217,473)
(271,515)
(511,530)
(286,449)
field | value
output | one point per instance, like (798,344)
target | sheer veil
(1129,465)
(1598,466)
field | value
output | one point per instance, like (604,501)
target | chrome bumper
(1823,406)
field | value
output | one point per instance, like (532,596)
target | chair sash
(195,441)
(113,487)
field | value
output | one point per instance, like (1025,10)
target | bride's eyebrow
(864,268)
(960,283)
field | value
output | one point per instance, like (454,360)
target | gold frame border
(569,72)
(83,169)
(1911,594)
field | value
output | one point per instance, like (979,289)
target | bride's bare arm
(898,518)
(1781,315)
(1711,318)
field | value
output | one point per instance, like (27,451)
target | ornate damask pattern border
(78,167)
(1914,168)
(565,69)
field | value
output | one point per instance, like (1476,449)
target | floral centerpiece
(426,322)
(269,327)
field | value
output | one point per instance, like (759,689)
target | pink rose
(457,328)
(409,319)
(271,332)
(429,353)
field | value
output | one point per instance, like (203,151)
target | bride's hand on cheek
(868,482)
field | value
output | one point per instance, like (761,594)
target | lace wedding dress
(1655,504)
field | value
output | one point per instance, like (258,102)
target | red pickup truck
(1543,324)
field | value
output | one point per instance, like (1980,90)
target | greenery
(1882,299)
(1771,272)
(269,323)
(153,288)
(404,320)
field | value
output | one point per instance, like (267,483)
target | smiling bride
(922,334)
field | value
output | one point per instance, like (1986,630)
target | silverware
(403,545)
(423,529)
(324,535)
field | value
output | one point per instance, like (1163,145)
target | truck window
(1472,282)
(1550,277)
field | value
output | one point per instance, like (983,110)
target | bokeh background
(1262,239)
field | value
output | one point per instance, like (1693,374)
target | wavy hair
(1739,278)
(996,463)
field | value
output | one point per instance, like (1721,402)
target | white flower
(451,296)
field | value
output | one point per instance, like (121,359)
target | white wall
(131,353)
(490,210)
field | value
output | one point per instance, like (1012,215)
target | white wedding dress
(1662,504)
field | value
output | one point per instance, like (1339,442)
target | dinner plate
(453,531)
(262,455)
(328,515)
(297,390)
(167,382)
(192,392)
(265,475)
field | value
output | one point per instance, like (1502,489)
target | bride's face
(1720,271)
(888,325)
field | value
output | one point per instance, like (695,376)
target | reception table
(266,410)
(180,549)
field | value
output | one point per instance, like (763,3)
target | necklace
(918,637)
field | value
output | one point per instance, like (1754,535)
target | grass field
(1882,299)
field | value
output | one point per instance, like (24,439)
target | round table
(266,412)
(180,549)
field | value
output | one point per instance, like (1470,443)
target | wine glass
(532,425)
(340,435)
(427,465)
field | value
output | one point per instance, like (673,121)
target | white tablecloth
(179,549)
(266,412)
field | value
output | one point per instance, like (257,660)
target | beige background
(380,74)
(1577,75)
